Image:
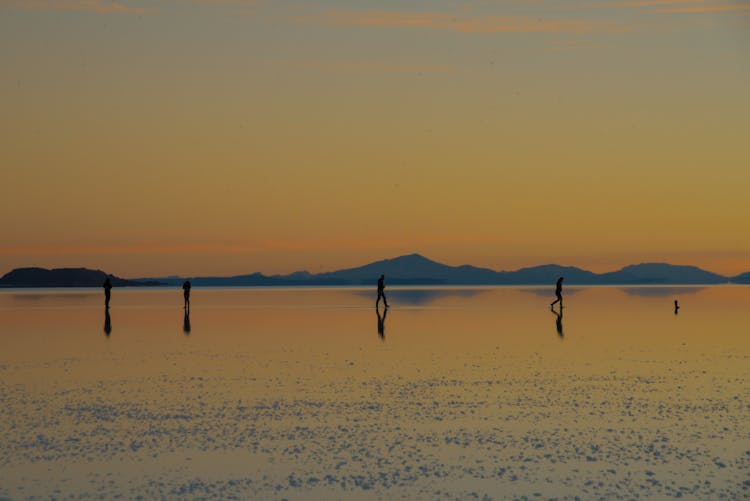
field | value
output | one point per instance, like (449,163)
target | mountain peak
(413,257)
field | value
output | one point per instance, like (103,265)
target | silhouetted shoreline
(412,269)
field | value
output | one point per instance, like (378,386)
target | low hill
(548,274)
(61,277)
(661,273)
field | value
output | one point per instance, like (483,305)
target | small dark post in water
(676,307)
(186,293)
(107,294)
(381,293)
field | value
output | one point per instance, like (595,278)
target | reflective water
(312,393)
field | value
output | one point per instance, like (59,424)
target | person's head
(561,279)
(382,276)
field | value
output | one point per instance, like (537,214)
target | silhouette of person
(381,287)
(381,323)
(676,307)
(107,322)
(558,293)
(186,321)
(558,322)
(107,294)
(186,293)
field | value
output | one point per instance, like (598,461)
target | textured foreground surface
(291,394)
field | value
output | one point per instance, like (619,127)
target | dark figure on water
(558,322)
(558,292)
(381,323)
(676,307)
(107,294)
(186,293)
(381,287)
(107,322)
(186,321)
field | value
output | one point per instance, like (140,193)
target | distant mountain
(415,269)
(253,279)
(411,269)
(661,273)
(61,277)
(548,274)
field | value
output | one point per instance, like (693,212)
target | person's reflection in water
(186,322)
(381,323)
(676,307)
(107,322)
(107,285)
(558,322)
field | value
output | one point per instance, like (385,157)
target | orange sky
(194,137)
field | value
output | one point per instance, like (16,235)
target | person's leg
(385,300)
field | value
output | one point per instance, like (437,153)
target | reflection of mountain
(550,291)
(660,291)
(64,296)
(418,297)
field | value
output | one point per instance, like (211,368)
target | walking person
(186,293)
(381,287)
(558,293)
(107,294)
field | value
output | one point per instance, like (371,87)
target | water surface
(311,393)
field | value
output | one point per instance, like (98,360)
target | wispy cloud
(219,3)
(120,7)
(99,6)
(458,22)
(416,68)
(678,6)
(654,3)
(698,9)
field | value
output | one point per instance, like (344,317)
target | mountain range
(411,269)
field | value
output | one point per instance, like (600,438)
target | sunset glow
(149,138)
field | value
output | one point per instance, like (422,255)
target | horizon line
(413,254)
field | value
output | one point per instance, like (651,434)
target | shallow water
(466,392)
